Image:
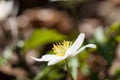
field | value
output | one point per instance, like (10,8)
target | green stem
(68,69)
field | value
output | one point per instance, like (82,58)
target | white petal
(76,45)
(82,48)
(46,57)
(52,59)
(56,60)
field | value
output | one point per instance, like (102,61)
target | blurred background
(31,27)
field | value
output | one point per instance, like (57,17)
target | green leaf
(50,73)
(113,28)
(41,37)
(117,38)
(42,73)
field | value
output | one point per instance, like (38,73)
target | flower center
(61,48)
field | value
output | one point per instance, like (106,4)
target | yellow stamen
(62,54)
(60,48)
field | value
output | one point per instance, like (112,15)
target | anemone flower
(65,50)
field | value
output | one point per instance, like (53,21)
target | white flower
(5,8)
(64,50)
